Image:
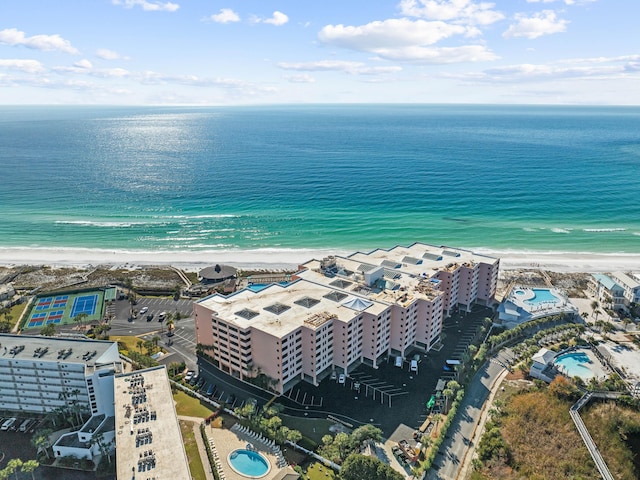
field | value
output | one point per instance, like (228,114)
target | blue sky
(212,52)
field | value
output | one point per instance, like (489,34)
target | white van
(162,316)
(8,424)
(399,361)
(413,366)
(24,426)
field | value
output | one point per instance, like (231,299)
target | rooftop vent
(277,308)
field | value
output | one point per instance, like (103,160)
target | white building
(607,291)
(41,374)
(630,286)
(150,444)
(542,366)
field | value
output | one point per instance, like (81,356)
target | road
(453,449)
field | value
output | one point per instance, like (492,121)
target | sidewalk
(202,450)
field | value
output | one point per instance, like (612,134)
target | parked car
(149,317)
(334,375)
(144,310)
(189,376)
(413,366)
(162,316)
(8,424)
(342,378)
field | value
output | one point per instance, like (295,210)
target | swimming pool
(576,364)
(249,463)
(542,295)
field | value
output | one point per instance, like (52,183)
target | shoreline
(281,259)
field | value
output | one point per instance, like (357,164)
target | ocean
(343,177)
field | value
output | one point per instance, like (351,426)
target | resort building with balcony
(630,286)
(42,374)
(607,291)
(339,312)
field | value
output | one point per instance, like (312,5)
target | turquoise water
(320,177)
(575,364)
(248,463)
(541,295)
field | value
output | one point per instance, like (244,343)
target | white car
(189,376)
(342,378)
(144,310)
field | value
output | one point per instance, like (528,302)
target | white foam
(597,230)
(90,223)
(560,230)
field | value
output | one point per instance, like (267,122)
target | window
(247,314)
(307,302)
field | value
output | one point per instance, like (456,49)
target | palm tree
(596,313)
(155,340)
(29,466)
(594,306)
(13,465)
(140,344)
(41,440)
(585,315)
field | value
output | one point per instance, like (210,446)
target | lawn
(191,447)
(317,471)
(312,428)
(16,311)
(189,406)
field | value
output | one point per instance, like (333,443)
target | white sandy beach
(289,259)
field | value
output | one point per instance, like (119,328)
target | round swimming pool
(249,463)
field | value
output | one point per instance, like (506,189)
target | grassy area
(319,472)
(131,343)
(16,311)
(189,406)
(312,428)
(191,447)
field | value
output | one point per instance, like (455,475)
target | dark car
(149,317)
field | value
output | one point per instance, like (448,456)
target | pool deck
(226,441)
(597,369)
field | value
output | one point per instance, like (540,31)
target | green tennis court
(62,309)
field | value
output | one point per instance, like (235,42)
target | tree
(155,340)
(49,330)
(594,306)
(13,466)
(80,318)
(140,344)
(29,466)
(364,433)
(361,467)
(584,315)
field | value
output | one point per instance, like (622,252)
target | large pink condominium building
(337,313)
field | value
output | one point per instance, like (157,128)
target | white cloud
(458,11)
(566,2)
(148,5)
(621,67)
(278,19)
(439,55)
(388,34)
(407,40)
(353,68)
(302,78)
(27,66)
(84,63)
(45,43)
(226,15)
(541,23)
(107,54)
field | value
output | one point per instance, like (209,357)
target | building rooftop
(281,309)
(606,281)
(627,280)
(54,349)
(148,439)
(423,259)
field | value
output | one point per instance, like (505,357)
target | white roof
(544,356)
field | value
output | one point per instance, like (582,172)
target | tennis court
(62,309)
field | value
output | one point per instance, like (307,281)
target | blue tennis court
(84,304)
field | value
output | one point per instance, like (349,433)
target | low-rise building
(607,291)
(631,287)
(148,434)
